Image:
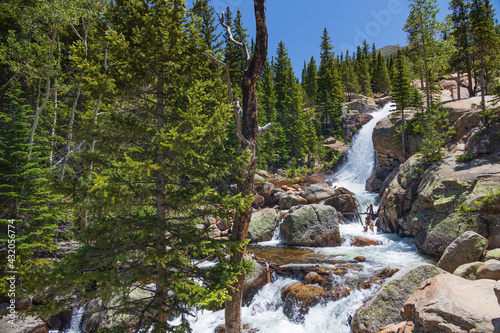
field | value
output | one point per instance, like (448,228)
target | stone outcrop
(468,247)
(439,204)
(385,307)
(468,271)
(262,225)
(448,303)
(389,149)
(312,225)
(300,298)
(352,121)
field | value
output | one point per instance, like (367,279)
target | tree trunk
(161,207)
(70,130)
(459,85)
(250,132)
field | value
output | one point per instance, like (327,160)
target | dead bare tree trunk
(248,135)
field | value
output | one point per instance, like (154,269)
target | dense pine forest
(121,132)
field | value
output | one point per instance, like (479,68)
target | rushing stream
(265,313)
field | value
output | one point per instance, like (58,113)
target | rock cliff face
(439,203)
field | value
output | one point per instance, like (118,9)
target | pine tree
(208,30)
(310,82)
(401,92)
(362,66)
(462,59)
(234,54)
(381,82)
(349,77)
(425,36)
(330,92)
(485,40)
(163,149)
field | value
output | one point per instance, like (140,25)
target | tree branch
(237,111)
(234,41)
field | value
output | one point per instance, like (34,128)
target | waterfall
(361,161)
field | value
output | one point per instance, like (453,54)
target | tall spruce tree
(330,92)
(310,82)
(401,92)
(381,82)
(362,66)
(485,41)
(162,151)
(202,9)
(349,77)
(462,59)
(425,37)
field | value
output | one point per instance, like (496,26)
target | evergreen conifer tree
(330,92)
(164,150)
(485,41)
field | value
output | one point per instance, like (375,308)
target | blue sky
(300,24)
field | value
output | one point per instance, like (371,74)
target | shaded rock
(344,202)
(468,271)
(363,104)
(23,303)
(360,259)
(313,225)
(384,308)
(387,271)
(490,270)
(449,303)
(254,282)
(301,298)
(258,201)
(492,254)
(262,225)
(265,189)
(222,225)
(314,278)
(318,192)
(289,201)
(467,248)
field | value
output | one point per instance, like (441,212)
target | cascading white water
(360,163)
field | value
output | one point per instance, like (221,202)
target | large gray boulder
(385,307)
(448,303)
(262,225)
(469,247)
(312,225)
(440,204)
(318,192)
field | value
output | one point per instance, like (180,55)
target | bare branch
(264,129)
(234,41)
(237,110)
